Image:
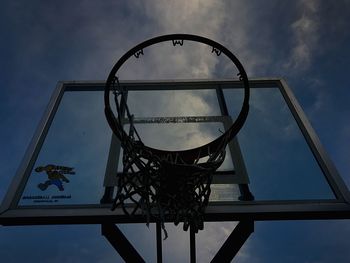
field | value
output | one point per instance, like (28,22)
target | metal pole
(192,245)
(159,243)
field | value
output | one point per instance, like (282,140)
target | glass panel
(78,138)
(170,103)
(279,162)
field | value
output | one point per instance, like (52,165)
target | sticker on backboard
(56,178)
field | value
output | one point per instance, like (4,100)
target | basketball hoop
(160,183)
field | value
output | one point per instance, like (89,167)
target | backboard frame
(339,208)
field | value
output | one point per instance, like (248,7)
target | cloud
(209,240)
(191,60)
(210,19)
(199,17)
(305,32)
(321,100)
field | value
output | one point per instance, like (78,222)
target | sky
(305,42)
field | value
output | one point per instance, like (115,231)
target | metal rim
(178,39)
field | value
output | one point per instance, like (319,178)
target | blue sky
(305,42)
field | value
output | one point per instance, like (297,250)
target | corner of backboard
(283,80)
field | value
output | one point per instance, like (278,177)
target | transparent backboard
(74,159)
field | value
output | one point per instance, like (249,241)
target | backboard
(274,169)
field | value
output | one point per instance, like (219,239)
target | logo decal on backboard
(55,176)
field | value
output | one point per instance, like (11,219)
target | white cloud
(306,34)
(199,17)
(321,99)
(189,61)
(209,241)
(226,22)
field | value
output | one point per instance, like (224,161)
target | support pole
(159,243)
(234,242)
(121,243)
(192,245)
